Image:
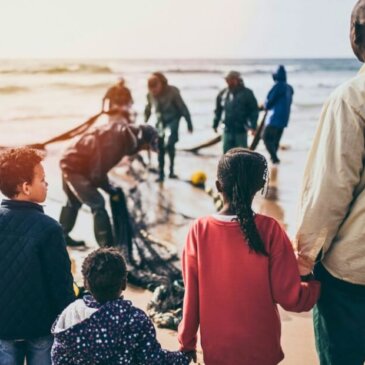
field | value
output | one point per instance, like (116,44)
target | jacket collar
(20,204)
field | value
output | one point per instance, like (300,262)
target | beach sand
(172,207)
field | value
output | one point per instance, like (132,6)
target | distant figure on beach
(104,328)
(166,102)
(36,283)
(278,104)
(119,99)
(237,266)
(238,107)
(85,166)
(331,230)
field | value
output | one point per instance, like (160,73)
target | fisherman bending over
(85,166)
(169,108)
(238,108)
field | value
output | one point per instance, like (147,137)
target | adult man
(331,226)
(120,100)
(85,167)
(278,103)
(169,108)
(239,105)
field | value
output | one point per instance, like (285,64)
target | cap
(233,75)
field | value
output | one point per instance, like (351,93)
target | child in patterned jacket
(104,328)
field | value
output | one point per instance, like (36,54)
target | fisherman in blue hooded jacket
(278,103)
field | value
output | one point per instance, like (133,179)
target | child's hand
(191,355)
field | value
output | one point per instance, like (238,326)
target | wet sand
(171,208)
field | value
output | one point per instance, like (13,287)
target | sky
(174,28)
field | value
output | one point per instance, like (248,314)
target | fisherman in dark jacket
(278,103)
(238,107)
(35,271)
(85,167)
(166,102)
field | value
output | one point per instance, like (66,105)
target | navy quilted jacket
(35,271)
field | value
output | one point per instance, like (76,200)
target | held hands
(192,356)
(305,265)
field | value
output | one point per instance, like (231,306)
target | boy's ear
(24,188)
(218,186)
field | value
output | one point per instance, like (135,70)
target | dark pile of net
(151,263)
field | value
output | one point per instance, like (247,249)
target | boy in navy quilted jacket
(104,328)
(35,269)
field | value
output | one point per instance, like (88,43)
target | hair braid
(242,174)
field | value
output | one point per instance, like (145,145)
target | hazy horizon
(172,29)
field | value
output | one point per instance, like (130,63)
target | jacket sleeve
(218,110)
(273,96)
(287,288)
(147,109)
(188,328)
(56,267)
(149,350)
(183,109)
(332,173)
(253,109)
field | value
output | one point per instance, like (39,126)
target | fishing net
(151,262)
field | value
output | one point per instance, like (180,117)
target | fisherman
(238,107)
(331,232)
(169,107)
(120,101)
(85,166)
(278,103)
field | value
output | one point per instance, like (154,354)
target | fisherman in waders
(278,103)
(119,100)
(237,106)
(166,102)
(85,166)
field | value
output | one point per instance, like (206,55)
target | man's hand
(262,107)
(305,265)
(191,355)
(252,132)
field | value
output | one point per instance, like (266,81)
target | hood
(74,314)
(280,74)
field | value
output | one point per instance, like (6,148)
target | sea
(43,98)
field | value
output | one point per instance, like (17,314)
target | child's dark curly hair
(17,167)
(105,274)
(241,174)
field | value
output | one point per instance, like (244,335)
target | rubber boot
(103,229)
(67,220)
(171,151)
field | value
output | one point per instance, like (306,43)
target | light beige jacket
(332,205)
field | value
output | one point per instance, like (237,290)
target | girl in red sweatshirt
(237,267)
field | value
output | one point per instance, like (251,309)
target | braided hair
(241,174)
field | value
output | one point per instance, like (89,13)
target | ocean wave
(82,68)
(309,105)
(12,89)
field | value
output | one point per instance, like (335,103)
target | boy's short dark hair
(105,273)
(17,167)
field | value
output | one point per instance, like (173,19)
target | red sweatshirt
(232,292)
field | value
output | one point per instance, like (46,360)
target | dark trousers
(80,190)
(339,321)
(171,151)
(271,137)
